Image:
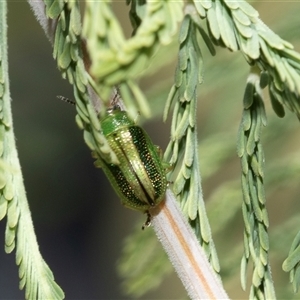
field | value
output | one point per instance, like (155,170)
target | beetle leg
(148,220)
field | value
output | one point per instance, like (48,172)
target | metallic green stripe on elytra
(139,179)
(146,189)
(149,156)
(124,189)
(131,165)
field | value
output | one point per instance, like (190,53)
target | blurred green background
(79,222)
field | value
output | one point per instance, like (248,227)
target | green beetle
(140,178)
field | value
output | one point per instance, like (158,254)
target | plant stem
(184,251)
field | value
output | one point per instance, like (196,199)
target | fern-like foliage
(292,263)
(35,275)
(187,184)
(67,51)
(113,60)
(117,61)
(236,26)
(256,220)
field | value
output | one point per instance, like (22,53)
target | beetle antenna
(116,97)
(65,99)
